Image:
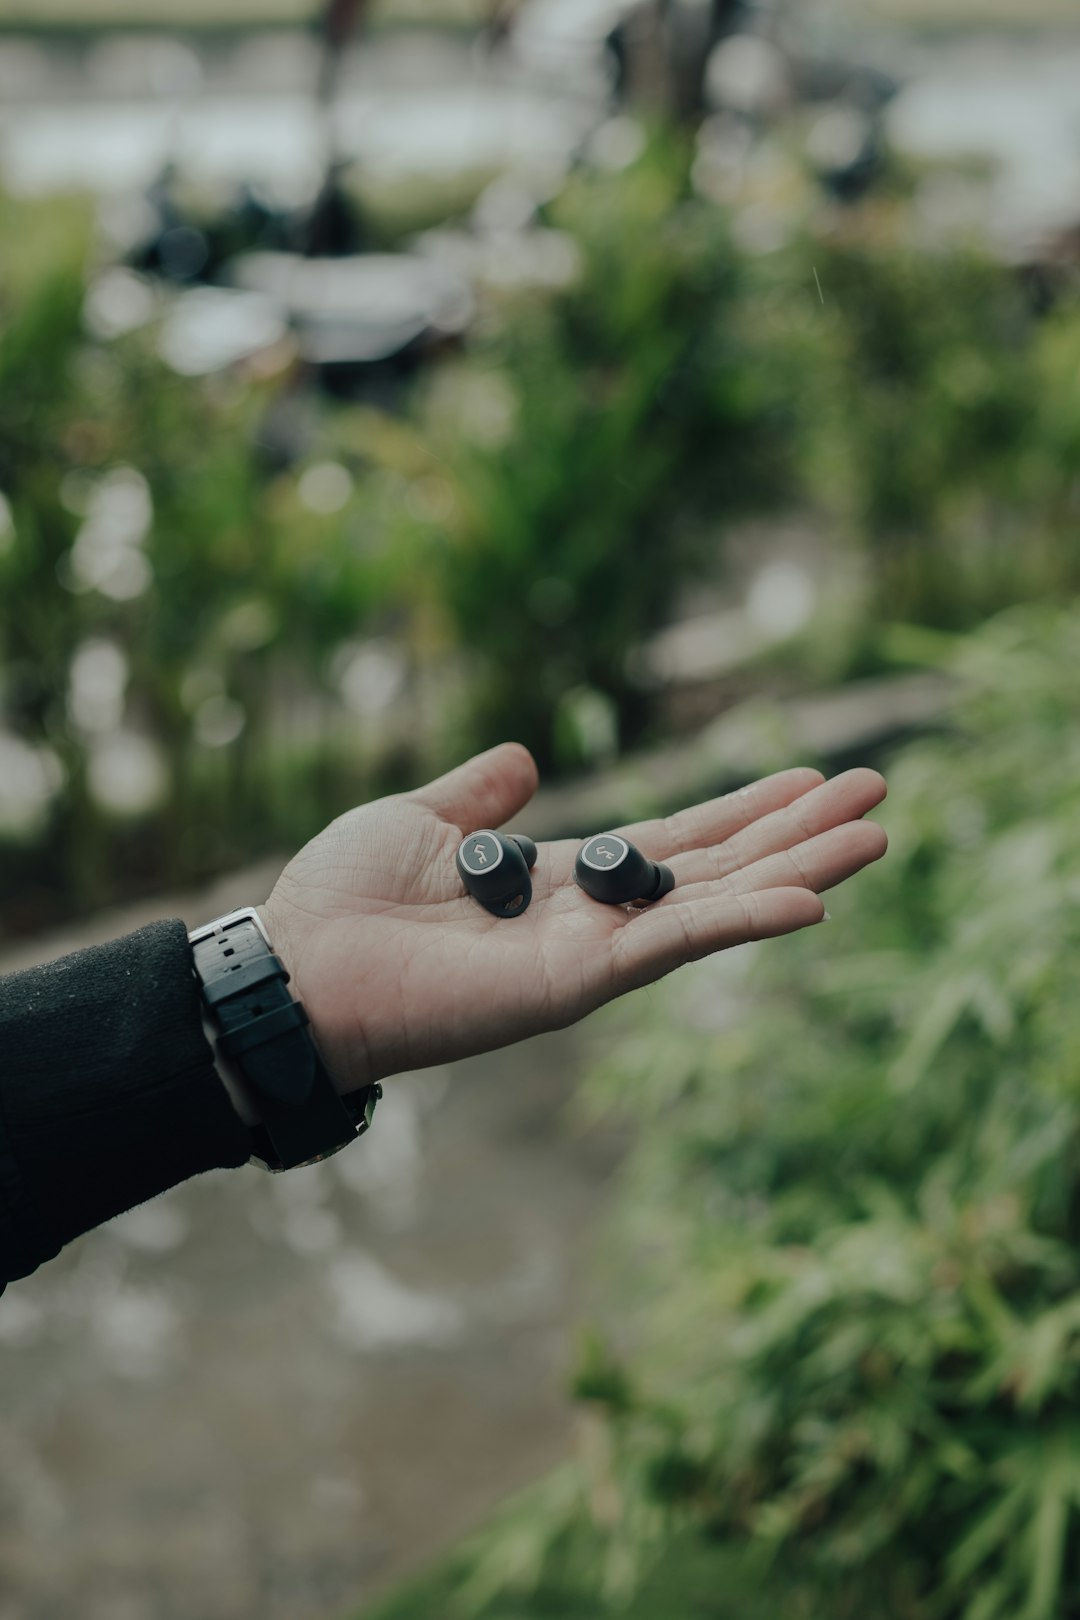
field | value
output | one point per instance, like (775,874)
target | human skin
(399,968)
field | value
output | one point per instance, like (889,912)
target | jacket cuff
(109,1093)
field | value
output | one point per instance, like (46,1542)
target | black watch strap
(264,1034)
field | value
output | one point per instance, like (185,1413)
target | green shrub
(642,409)
(593,448)
(849,1350)
(225,625)
(943,424)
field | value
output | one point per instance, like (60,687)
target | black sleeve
(108,1091)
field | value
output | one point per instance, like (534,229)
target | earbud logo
(604,852)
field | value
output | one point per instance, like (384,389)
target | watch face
(604,852)
(360,1106)
(302,1164)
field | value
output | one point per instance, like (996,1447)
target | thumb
(484,792)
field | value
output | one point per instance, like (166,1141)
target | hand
(398,967)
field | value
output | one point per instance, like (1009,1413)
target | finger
(658,941)
(819,864)
(718,819)
(845,799)
(484,792)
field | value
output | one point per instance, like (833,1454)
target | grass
(696,1580)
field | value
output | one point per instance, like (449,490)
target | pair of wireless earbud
(495,869)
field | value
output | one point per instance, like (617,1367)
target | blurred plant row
(230,606)
(845,1244)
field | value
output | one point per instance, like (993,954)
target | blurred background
(685,388)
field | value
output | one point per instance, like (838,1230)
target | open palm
(398,967)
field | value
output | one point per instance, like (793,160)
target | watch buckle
(221,924)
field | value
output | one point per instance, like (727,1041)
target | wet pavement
(271,1396)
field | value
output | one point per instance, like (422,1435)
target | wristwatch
(263,1033)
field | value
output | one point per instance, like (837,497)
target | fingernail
(827,917)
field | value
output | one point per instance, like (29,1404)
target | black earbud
(495,870)
(612,870)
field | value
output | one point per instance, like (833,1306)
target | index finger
(702,825)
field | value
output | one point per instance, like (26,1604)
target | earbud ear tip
(667,881)
(527,848)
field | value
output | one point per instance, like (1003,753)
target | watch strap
(264,1033)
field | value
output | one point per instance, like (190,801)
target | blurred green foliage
(220,600)
(693,1579)
(321,600)
(642,408)
(847,1235)
(946,423)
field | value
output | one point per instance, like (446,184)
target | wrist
(339,1042)
(266,1057)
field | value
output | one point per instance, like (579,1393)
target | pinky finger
(657,942)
